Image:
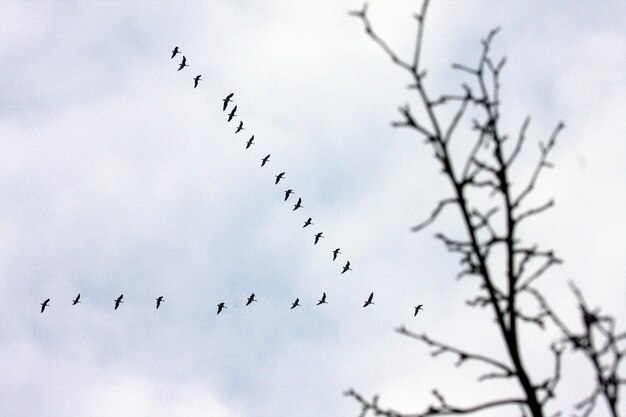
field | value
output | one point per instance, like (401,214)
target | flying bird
(159,300)
(264,160)
(288,193)
(346,267)
(183,64)
(298,205)
(76,300)
(196,80)
(279,177)
(240,127)
(220,307)
(226,101)
(308,222)
(335,253)
(323,300)
(250,142)
(295,304)
(369,300)
(317,237)
(45,304)
(250,299)
(418,308)
(175,51)
(232,113)
(118,301)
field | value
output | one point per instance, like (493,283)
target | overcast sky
(117,176)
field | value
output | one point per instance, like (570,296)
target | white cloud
(118,177)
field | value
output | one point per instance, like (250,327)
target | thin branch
(545,150)
(420,31)
(434,214)
(462,355)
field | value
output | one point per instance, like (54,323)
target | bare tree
(485,170)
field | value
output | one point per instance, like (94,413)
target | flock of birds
(308,222)
(221,306)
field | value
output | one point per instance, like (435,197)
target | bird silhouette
(308,222)
(226,101)
(335,253)
(183,64)
(288,193)
(118,301)
(295,304)
(318,237)
(250,299)
(369,300)
(279,177)
(417,309)
(346,267)
(232,114)
(264,160)
(323,300)
(240,127)
(250,142)
(220,307)
(159,300)
(298,205)
(175,51)
(196,80)
(45,304)
(76,300)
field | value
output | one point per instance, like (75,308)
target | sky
(117,176)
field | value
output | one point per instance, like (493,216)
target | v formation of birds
(308,222)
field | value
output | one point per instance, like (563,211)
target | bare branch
(420,32)
(362,14)
(520,142)
(434,214)
(462,355)
(545,150)
(535,211)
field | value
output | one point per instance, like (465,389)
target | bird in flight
(323,300)
(335,253)
(264,160)
(346,267)
(76,300)
(226,101)
(250,142)
(298,205)
(118,301)
(418,308)
(175,51)
(369,300)
(45,304)
(232,113)
(196,80)
(240,127)
(308,222)
(295,304)
(279,177)
(159,300)
(250,299)
(183,64)
(318,237)
(220,307)
(288,193)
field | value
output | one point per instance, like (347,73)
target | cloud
(118,177)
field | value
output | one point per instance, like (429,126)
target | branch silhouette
(486,171)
